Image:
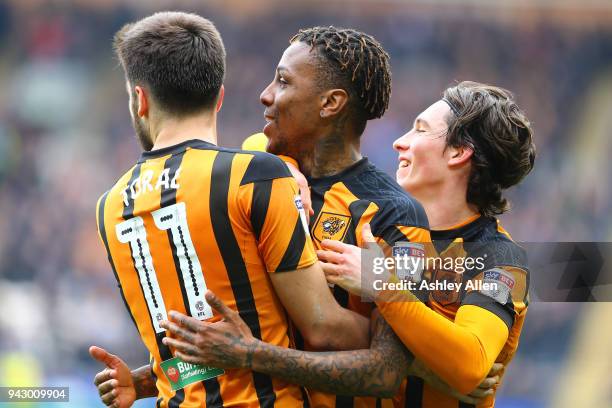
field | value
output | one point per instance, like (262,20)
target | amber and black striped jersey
(193,217)
(342,204)
(502,262)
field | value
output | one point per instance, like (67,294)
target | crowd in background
(66,136)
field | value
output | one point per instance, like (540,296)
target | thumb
(219,306)
(366,234)
(103,356)
(335,280)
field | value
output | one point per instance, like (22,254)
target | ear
(143,101)
(220,98)
(332,102)
(459,155)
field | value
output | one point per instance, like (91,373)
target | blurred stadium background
(65,136)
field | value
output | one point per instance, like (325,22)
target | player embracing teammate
(473,144)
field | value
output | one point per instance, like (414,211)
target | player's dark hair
(487,119)
(178,57)
(355,62)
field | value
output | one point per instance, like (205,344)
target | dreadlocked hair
(354,61)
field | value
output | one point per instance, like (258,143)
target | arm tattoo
(144,382)
(377,371)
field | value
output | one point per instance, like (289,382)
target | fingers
(336,246)
(103,376)
(329,269)
(489,382)
(107,387)
(468,399)
(185,321)
(329,256)
(366,234)
(220,307)
(181,346)
(496,369)
(102,355)
(178,331)
(189,358)
(481,393)
(334,280)
(110,398)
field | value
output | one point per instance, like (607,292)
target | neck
(172,131)
(332,154)
(446,205)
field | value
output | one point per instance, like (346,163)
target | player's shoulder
(260,166)
(263,166)
(121,183)
(395,206)
(501,249)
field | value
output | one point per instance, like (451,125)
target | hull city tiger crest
(331,226)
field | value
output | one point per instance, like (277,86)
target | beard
(142,134)
(276,146)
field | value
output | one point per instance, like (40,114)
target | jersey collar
(174,149)
(351,171)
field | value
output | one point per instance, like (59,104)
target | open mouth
(404,163)
(268,117)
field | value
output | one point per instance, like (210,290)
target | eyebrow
(422,122)
(281,68)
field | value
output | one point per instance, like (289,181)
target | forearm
(144,382)
(419,369)
(373,372)
(348,331)
(461,352)
(346,372)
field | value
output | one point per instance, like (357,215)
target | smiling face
(293,103)
(423,156)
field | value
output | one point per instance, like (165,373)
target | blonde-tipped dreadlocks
(354,61)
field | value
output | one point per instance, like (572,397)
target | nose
(402,143)
(267,95)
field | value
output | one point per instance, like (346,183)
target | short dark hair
(178,57)
(355,62)
(487,119)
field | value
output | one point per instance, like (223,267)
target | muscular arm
(229,343)
(144,382)
(377,371)
(461,352)
(324,324)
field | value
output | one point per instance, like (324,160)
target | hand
(304,190)
(484,390)
(115,384)
(342,264)
(488,386)
(228,343)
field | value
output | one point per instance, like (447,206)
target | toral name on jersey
(143,184)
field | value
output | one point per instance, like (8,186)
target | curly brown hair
(487,119)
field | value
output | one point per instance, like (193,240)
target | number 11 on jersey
(174,219)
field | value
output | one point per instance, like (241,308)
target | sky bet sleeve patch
(498,285)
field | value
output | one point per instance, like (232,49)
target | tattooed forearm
(144,382)
(377,371)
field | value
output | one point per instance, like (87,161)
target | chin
(405,184)
(277,147)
